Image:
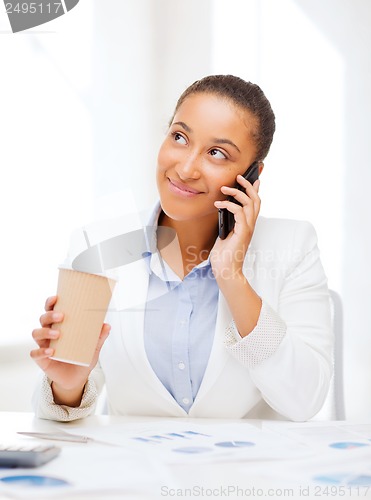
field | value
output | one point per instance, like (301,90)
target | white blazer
(282,369)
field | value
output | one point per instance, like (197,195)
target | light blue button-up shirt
(179,325)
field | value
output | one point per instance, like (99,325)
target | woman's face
(209,142)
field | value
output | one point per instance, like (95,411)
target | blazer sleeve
(45,407)
(289,354)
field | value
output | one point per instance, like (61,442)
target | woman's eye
(179,138)
(216,153)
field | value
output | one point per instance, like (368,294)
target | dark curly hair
(246,95)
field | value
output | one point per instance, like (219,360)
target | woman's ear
(261,166)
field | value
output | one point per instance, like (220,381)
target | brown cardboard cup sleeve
(83,298)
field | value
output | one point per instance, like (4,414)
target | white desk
(285,459)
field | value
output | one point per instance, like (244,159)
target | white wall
(18,377)
(144,55)
(45,160)
(348,26)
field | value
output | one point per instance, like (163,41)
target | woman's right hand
(66,378)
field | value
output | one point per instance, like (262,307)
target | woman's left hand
(227,256)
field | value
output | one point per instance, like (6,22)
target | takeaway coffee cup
(83,298)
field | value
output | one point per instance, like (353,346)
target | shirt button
(181,365)
(185,401)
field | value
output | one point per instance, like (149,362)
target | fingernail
(217,203)
(48,352)
(54,333)
(57,316)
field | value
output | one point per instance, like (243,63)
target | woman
(243,329)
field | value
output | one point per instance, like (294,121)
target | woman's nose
(189,167)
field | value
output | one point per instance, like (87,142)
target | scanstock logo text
(26,15)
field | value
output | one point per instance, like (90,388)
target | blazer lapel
(219,355)
(131,304)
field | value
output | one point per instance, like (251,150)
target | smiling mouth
(183,187)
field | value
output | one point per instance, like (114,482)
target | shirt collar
(152,258)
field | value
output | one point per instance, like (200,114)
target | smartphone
(27,455)
(226,218)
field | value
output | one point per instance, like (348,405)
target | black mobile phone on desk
(226,218)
